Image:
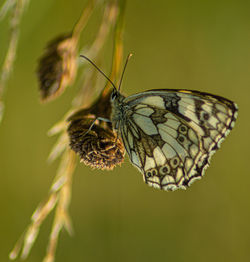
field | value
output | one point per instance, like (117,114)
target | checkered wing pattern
(170,135)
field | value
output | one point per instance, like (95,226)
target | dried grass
(59,196)
(16,9)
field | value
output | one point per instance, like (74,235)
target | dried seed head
(98,147)
(57,67)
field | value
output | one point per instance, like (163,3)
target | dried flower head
(99,146)
(57,67)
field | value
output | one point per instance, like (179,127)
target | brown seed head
(57,67)
(99,146)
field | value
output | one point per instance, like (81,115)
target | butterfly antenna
(85,57)
(128,57)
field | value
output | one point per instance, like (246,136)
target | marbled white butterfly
(170,134)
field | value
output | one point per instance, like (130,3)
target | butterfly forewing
(170,135)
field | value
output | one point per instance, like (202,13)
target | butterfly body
(170,135)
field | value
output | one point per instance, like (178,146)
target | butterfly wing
(170,135)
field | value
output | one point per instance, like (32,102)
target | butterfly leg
(93,123)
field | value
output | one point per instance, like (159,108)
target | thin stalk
(86,92)
(118,47)
(16,7)
(80,25)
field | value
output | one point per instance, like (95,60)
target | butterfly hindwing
(170,135)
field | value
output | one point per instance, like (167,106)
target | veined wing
(170,135)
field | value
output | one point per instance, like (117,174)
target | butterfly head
(114,95)
(116,98)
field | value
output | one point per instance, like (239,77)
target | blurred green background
(202,45)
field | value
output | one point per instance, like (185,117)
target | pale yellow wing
(170,135)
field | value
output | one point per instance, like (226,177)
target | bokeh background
(202,45)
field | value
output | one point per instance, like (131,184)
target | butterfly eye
(113,95)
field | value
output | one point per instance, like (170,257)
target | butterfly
(171,134)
